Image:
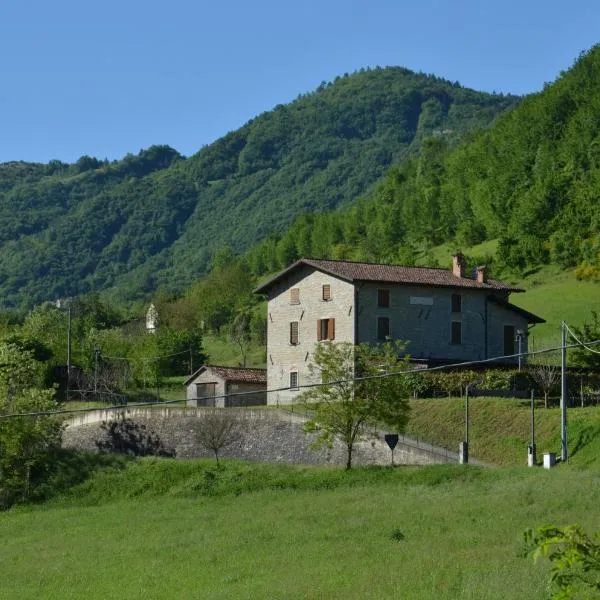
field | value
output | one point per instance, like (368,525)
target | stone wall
(284,357)
(270,436)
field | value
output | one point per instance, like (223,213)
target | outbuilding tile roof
(358,271)
(244,375)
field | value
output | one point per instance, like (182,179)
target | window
(205,390)
(295,296)
(383,298)
(326,292)
(294,333)
(325,329)
(293,380)
(383,328)
(456,303)
(509,340)
(456,335)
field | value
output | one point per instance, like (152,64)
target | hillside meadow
(160,528)
(500,429)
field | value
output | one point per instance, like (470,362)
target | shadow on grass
(70,468)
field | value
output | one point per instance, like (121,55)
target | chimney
(458,265)
(482,274)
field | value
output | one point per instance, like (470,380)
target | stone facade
(285,357)
(268,436)
(461,319)
(222,387)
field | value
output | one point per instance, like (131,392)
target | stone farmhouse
(444,315)
(213,385)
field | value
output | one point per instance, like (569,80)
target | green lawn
(221,351)
(500,429)
(557,296)
(183,529)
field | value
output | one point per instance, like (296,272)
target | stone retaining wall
(270,436)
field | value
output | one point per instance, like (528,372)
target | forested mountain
(156,219)
(531,181)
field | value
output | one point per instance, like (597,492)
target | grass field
(223,352)
(183,529)
(499,429)
(557,296)
(552,293)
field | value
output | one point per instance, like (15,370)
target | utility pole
(96,352)
(68,350)
(531,458)
(564,453)
(463,457)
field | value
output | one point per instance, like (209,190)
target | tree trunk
(545,399)
(349,459)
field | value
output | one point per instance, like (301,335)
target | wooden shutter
(331,329)
(383,328)
(326,292)
(383,298)
(319,331)
(456,303)
(294,333)
(456,334)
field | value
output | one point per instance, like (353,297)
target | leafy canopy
(359,389)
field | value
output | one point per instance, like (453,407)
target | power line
(312,385)
(580,342)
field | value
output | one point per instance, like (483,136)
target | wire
(150,358)
(580,342)
(310,385)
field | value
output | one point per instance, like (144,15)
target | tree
(240,333)
(218,428)
(343,406)
(546,375)
(27,443)
(588,356)
(575,559)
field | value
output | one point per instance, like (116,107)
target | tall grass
(185,529)
(499,429)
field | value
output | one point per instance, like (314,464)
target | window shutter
(383,298)
(326,292)
(294,333)
(319,337)
(331,329)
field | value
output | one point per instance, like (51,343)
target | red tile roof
(240,374)
(357,271)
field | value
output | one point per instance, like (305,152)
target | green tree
(588,356)
(575,558)
(359,388)
(27,444)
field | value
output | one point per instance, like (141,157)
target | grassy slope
(551,293)
(181,529)
(500,429)
(557,296)
(223,352)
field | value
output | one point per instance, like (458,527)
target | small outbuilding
(213,385)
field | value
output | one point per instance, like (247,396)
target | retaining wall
(269,436)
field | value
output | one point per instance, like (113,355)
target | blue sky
(111,77)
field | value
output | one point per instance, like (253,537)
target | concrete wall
(243,394)
(207,376)
(282,356)
(423,317)
(498,317)
(270,436)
